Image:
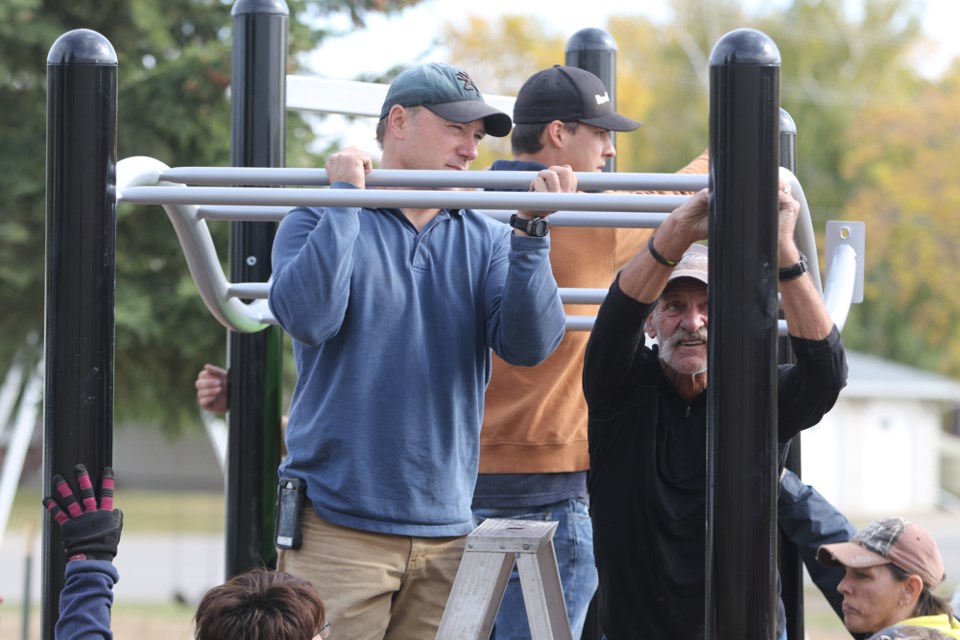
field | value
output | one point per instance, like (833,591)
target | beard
(669,346)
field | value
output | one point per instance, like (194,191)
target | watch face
(536,227)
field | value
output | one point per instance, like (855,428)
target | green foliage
(876,142)
(908,195)
(174,74)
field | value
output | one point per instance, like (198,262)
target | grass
(143,512)
(139,622)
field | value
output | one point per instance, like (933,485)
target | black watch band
(536,227)
(794,271)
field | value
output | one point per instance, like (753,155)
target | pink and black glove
(90,533)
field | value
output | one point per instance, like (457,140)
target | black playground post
(790,563)
(595,50)
(80,277)
(258,89)
(741,396)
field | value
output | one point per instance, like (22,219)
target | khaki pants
(375,585)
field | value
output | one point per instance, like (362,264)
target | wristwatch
(536,227)
(794,271)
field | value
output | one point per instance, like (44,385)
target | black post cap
(745,46)
(82,46)
(589,39)
(269,7)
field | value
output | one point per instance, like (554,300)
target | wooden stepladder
(488,560)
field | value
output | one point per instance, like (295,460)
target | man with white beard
(647,418)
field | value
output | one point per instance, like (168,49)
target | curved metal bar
(198,249)
(841,281)
(803,232)
(265,176)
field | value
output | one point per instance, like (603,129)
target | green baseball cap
(448,92)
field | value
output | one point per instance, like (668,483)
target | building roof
(873,377)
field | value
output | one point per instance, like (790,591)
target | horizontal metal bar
(238,213)
(590,181)
(261,290)
(353,98)
(249,290)
(223,299)
(582,296)
(401,198)
(623,220)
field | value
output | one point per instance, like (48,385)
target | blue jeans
(573,543)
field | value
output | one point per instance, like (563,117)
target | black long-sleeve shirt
(647,478)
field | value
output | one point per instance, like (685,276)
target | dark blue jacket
(86,600)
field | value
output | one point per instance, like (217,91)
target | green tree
(837,58)
(903,162)
(174,74)
(873,136)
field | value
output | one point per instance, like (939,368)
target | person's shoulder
(479,220)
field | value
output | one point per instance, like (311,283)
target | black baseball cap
(568,94)
(448,92)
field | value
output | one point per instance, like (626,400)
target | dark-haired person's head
(261,605)
(563,116)
(892,567)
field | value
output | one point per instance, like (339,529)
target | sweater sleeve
(85,601)
(312,265)
(525,317)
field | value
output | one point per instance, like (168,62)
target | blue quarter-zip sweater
(392,333)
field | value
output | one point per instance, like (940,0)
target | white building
(882,449)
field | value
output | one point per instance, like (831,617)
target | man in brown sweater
(533,444)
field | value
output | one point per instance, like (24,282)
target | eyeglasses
(323,631)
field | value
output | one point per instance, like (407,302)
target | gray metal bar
(199,251)
(803,232)
(264,176)
(558,219)
(223,298)
(352,98)
(402,198)
(841,281)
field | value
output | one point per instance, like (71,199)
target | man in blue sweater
(393,314)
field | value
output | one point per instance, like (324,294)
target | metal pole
(80,276)
(790,562)
(595,50)
(27,579)
(742,394)
(258,89)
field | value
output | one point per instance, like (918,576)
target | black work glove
(90,533)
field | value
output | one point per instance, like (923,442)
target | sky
(408,34)
(403,38)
